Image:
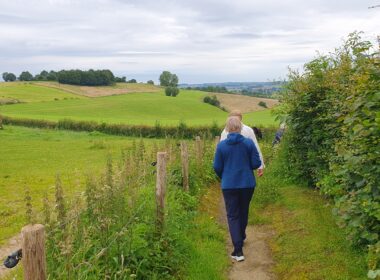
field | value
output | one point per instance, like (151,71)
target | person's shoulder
(247,131)
(248,141)
(247,128)
(221,144)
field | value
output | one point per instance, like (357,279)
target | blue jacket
(234,162)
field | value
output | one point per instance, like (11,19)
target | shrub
(263,104)
(171,91)
(333,136)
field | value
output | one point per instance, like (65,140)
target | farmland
(28,92)
(132,108)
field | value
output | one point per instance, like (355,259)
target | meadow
(29,92)
(140,108)
(33,157)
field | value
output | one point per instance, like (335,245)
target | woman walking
(235,159)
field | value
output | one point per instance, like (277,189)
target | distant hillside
(260,87)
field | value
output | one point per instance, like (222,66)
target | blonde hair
(233,124)
(236,113)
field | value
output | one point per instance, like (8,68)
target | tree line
(73,77)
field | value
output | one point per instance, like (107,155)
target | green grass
(33,157)
(134,108)
(308,244)
(208,257)
(28,92)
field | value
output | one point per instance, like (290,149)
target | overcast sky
(200,40)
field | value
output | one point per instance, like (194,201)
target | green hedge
(156,131)
(332,112)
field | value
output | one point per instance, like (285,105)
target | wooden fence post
(217,140)
(33,252)
(198,149)
(160,187)
(185,165)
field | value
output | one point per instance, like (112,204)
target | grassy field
(308,244)
(33,157)
(134,108)
(29,92)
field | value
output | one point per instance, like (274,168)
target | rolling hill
(146,105)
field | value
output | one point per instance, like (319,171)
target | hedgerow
(157,131)
(333,136)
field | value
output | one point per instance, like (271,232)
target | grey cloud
(202,40)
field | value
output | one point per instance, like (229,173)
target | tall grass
(109,231)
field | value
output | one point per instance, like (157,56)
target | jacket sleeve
(218,162)
(251,135)
(224,134)
(255,159)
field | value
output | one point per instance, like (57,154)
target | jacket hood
(234,138)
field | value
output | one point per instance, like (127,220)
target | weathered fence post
(33,252)
(198,149)
(217,140)
(160,187)
(185,165)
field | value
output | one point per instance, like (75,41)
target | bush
(156,131)
(150,82)
(171,91)
(333,136)
(263,104)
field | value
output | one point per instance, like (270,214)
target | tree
(132,81)
(25,76)
(168,79)
(150,82)
(120,80)
(171,91)
(52,76)
(9,77)
(42,76)
(86,78)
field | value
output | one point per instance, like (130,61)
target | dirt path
(13,245)
(258,262)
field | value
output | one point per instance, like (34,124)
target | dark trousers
(237,207)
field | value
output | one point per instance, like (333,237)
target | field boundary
(157,131)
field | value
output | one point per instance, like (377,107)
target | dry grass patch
(91,91)
(243,103)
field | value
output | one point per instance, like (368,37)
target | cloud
(201,40)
